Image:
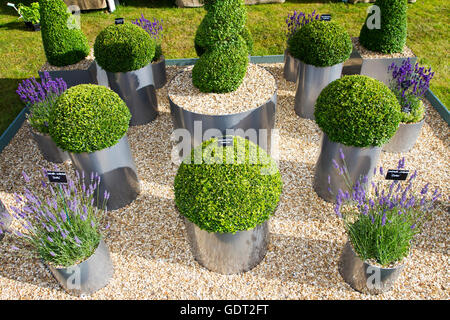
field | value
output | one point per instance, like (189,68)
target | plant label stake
(325,17)
(397,174)
(118,21)
(59,177)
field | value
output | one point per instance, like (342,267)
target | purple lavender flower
(49,239)
(297,20)
(154,29)
(77,240)
(52,254)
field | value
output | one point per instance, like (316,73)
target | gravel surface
(147,239)
(258,87)
(366,53)
(81,65)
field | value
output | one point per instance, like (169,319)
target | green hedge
(124,47)
(228,197)
(221,69)
(321,44)
(391,37)
(358,111)
(62,46)
(87,118)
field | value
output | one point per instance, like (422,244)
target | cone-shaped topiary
(63,45)
(222,27)
(358,111)
(228,188)
(124,47)
(391,37)
(87,118)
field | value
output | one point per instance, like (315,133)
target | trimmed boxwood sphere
(230,196)
(358,111)
(321,44)
(124,47)
(222,68)
(87,118)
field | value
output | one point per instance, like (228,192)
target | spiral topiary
(62,46)
(222,27)
(321,43)
(391,37)
(124,47)
(234,188)
(87,118)
(358,111)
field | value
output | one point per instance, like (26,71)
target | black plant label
(57,176)
(325,17)
(397,174)
(225,141)
(119,21)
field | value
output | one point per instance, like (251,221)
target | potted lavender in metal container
(381,227)
(155,30)
(294,22)
(40,99)
(65,230)
(409,84)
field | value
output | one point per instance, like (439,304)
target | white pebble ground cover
(147,240)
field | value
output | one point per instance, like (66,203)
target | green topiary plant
(124,47)
(87,118)
(222,27)
(63,45)
(234,188)
(391,37)
(358,111)
(222,69)
(321,43)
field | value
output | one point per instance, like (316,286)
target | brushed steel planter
(137,89)
(48,148)
(89,276)
(159,72)
(5,220)
(228,253)
(291,65)
(117,171)
(404,138)
(364,277)
(74,77)
(311,81)
(262,117)
(360,162)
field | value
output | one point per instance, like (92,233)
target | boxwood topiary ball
(87,118)
(123,47)
(358,111)
(222,68)
(321,44)
(229,188)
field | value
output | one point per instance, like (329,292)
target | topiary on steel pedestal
(223,44)
(391,36)
(64,43)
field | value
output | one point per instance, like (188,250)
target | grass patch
(22,52)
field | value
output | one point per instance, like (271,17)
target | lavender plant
(155,30)
(63,225)
(382,225)
(409,84)
(297,20)
(40,99)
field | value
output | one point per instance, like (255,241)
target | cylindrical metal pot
(404,138)
(5,220)
(117,171)
(364,277)
(228,253)
(73,77)
(291,66)
(255,125)
(310,83)
(49,150)
(360,162)
(159,72)
(89,276)
(137,89)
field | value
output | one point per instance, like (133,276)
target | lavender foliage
(154,29)
(40,99)
(410,83)
(298,19)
